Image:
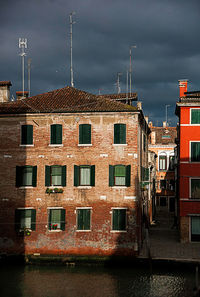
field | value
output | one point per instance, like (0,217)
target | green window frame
(195,152)
(119,219)
(195,116)
(84,134)
(56,219)
(195,188)
(26,176)
(25,219)
(84,175)
(119,175)
(195,228)
(83,219)
(26,134)
(119,133)
(55,175)
(56,134)
(162,162)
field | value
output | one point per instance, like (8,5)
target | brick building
(70,174)
(162,143)
(188,112)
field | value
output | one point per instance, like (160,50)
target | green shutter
(122,219)
(195,151)
(33,219)
(18,176)
(47,176)
(80,219)
(115,219)
(26,134)
(64,169)
(195,114)
(86,219)
(80,134)
(76,175)
(62,224)
(85,134)
(92,176)
(34,176)
(49,219)
(128,175)
(17,219)
(111,176)
(53,134)
(122,133)
(116,133)
(58,134)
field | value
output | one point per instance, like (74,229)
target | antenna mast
(118,82)
(130,69)
(29,77)
(23,45)
(71,66)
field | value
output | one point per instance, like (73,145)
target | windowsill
(26,145)
(84,187)
(120,144)
(26,187)
(55,145)
(85,144)
(118,231)
(119,187)
(53,187)
(83,230)
(55,231)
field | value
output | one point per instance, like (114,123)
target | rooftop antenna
(29,77)
(127,86)
(166,106)
(118,82)
(23,45)
(71,66)
(130,66)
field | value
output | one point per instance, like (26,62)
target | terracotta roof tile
(67,100)
(5,83)
(164,135)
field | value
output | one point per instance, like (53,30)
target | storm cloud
(166,34)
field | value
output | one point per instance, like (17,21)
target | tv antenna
(130,66)
(71,66)
(23,45)
(118,82)
(29,77)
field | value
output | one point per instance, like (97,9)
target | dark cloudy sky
(166,33)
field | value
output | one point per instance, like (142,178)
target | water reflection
(40,281)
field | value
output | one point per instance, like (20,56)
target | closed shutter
(49,219)
(53,134)
(111,176)
(62,223)
(86,219)
(26,134)
(116,134)
(47,176)
(128,175)
(85,134)
(58,134)
(92,176)
(18,176)
(80,219)
(120,133)
(33,219)
(122,219)
(115,219)
(34,176)
(195,114)
(76,175)
(64,169)
(17,219)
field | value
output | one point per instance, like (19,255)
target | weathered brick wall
(101,198)
(184,229)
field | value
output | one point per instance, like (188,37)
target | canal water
(59,281)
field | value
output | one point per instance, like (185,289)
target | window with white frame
(56,219)
(83,219)
(162,162)
(195,116)
(195,228)
(119,219)
(25,219)
(195,151)
(195,188)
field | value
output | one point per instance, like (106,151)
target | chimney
(164,124)
(147,119)
(153,137)
(19,95)
(182,87)
(5,91)
(139,105)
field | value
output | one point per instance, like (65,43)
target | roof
(120,96)
(164,135)
(5,83)
(64,100)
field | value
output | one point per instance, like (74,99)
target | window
(195,116)
(57,219)
(144,143)
(25,219)
(171,184)
(84,175)
(195,228)
(83,219)
(84,134)
(119,219)
(26,134)
(162,162)
(144,174)
(171,163)
(26,176)
(56,134)
(55,175)
(119,134)
(119,175)
(163,184)
(195,151)
(195,188)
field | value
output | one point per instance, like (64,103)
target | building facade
(188,112)
(70,175)
(162,143)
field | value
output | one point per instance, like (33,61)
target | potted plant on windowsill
(25,232)
(54,190)
(54,226)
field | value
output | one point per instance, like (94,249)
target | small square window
(83,219)
(119,219)
(55,175)
(57,219)
(84,175)
(119,175)
(25,219)
(26,176)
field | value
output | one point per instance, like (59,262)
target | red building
(70,174)
(188,111)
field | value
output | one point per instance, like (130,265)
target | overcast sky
(166,33)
